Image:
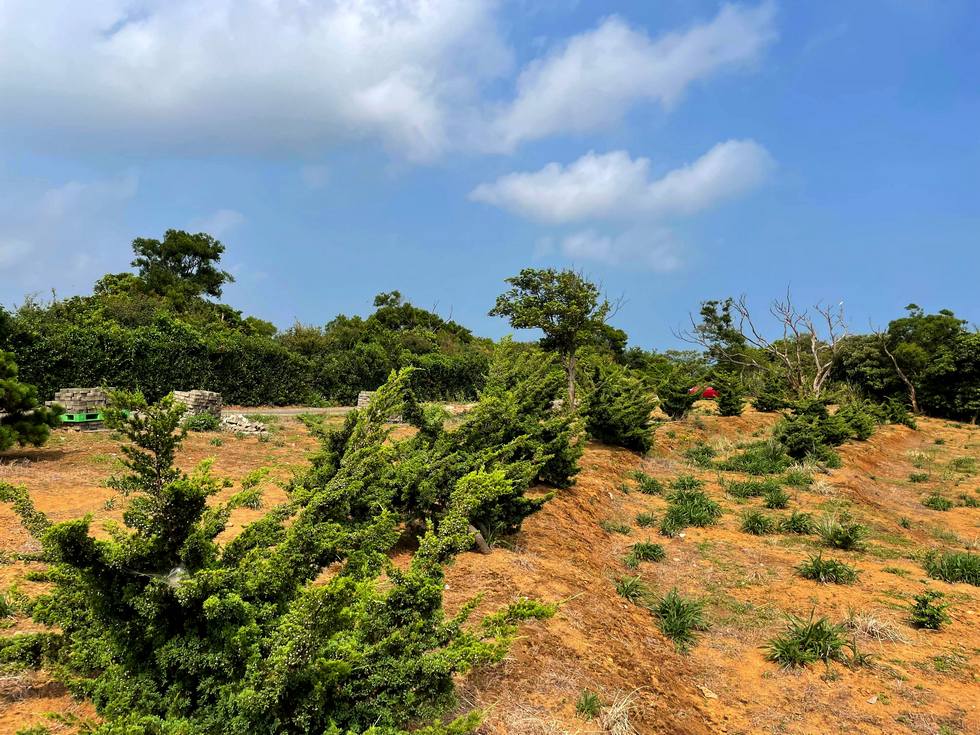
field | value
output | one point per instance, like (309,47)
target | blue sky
(674,151)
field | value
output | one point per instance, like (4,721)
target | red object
(706,392)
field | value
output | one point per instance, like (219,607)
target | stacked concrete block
(200,401)
(364,398)
(82,400)
(239,424)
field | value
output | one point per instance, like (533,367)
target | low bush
(646,484)
(680,619)
(797,522)
(776,498)
(688,508)
(953,566)
(827,570)
(611,526)
(807,641)
(937,502)
(686,482)
(841,533)
(201,422)
(919,477)
(927,612)
(632,588)
(758,523)
(743,489)
(700,455)
(644,551)
(772,395)
(646,520)
(760,458)
(798,477)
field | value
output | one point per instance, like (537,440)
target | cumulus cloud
(247,74)
(651,248)
(615,186)
(304,75)
(593,79)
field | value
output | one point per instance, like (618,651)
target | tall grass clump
(689,508)
(700,455)
(827,570)
(743,489)
(953,566)
(644,551)
(646,484)
(761,458)
(841,533)
(680,619)
(776,498)
(758,523)
(807,641)
(797,522)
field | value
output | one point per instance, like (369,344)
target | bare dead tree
(882,337)
(807,348)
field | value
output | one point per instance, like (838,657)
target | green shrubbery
(201,422)
(22,419)
(953,566)
(928,612)
(688,507)
(168,631)
(807,641)
(618,409)
(827,570)
(731,393)
(760,458)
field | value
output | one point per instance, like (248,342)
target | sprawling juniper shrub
(619,408)
(169,631)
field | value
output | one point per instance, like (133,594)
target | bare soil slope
(918,682)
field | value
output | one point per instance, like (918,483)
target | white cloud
(650,248)
(615,186)
(247,74)
(218,223)
(594,78)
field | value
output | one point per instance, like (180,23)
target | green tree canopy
(181,265)
(22,420)
(564,305)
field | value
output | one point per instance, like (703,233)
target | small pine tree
(731,395)
(772,395)
(23,420)
(675,396)
(618,411)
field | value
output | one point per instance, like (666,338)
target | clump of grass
(758,523)
(937,502)
(216,441)
(928,612)
(759,458)
(827,570)
(689,508)
(686,482)
(612,526)
(969,501)
(680,619)
(797,522)
(743,489)
(807,641)
(588,705)
(6,609)
(798,476)
(700,455)
(632,588)
(874,626)
(965,465)
(939,441)
(840,534)
(919,477)
(776,499)
(905,522)
(953,566)
(644,551)
(646,484)
(646,520)
(919,460)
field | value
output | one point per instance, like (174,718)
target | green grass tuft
(827,570)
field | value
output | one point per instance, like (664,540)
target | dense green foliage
(22,419)
(169,631)
(731,393)
(928,612)
(618,409)
(157,331)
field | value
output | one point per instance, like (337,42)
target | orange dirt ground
(920,682)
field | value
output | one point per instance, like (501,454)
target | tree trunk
(481,543)
(901,374)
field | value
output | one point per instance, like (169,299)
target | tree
(181,265)
(806,350)
(619,407)
(731,395)
(563,305)
(22,419)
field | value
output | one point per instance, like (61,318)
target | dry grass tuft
(615,719)
(874,626)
